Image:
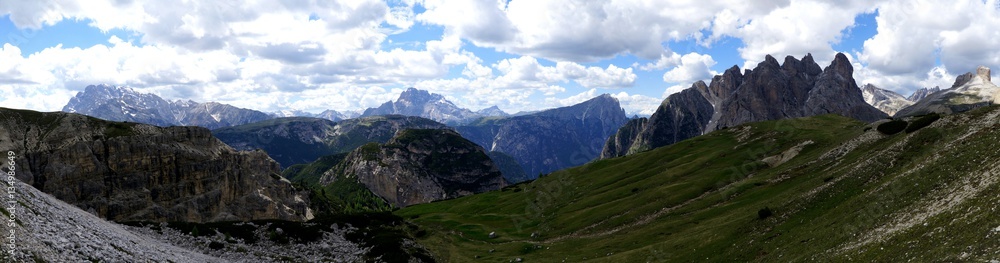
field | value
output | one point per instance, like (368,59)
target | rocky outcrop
(124,104)
(420,166)
(621,141)
(770,91)
(682,115)
(836,92)
(970,91)
(885,100)
(554,139)
(298,140)
(132,172)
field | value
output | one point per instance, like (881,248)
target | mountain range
(771,91)
(118,103)
(124,104)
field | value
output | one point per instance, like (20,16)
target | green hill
(838,191)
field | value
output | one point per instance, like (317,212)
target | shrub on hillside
(891,127)
(764,213)
(921,122)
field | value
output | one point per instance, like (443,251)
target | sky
(520,55)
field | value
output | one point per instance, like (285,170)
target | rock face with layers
(138,172)
(420,166)
(971,90)
(771,91)
(622,141)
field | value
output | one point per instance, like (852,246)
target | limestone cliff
(131,172)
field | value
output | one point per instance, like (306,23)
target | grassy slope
(698,200)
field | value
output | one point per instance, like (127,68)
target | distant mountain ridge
(118,103)
(124,104)
(421,103)
(296,140)
(771,91)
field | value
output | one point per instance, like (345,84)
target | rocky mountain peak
(769,61)
(417,96)
(421,103)
(493,111)
(841,65)
(962,79)
(983,72)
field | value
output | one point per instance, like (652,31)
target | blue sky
(519,55)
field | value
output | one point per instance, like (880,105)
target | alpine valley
(787,161)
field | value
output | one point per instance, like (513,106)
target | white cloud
(693,67)
(481,21)
(577,30)
(796,29)
(527,72)
(289,54)
(913,35)
(571,100)
(636,104)
(673,89)
(632,104)
(665,61)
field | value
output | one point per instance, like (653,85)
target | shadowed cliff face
(550,140)
(131,172)
(420,166)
